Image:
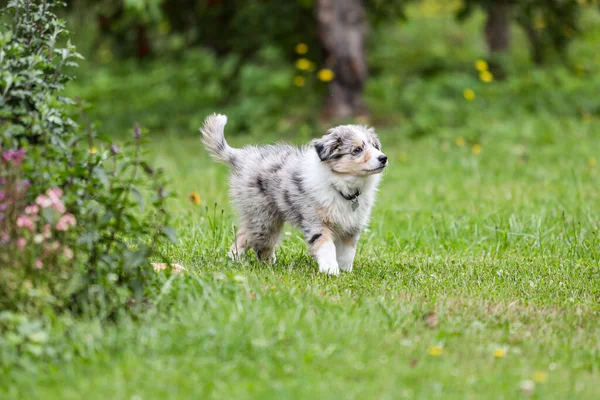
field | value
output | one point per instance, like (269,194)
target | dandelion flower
(195,199)
(481,65)
(299,81)
(469,94)
(325,75)
(486,76)
(592,161)
(303,64)
(435,351)
(93,150)
(499,353)
(476,149)
(540,376)
(460,141)
(301,48)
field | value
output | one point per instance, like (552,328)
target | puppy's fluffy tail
(213,137)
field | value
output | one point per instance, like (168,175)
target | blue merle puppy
(326,189)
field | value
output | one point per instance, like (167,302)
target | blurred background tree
(251,43)
(550,25)
(334,29)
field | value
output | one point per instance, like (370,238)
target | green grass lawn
(502,245)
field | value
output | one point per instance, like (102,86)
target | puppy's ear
(327,146)
(373,138)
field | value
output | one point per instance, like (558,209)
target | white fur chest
(347,216)
(327,188)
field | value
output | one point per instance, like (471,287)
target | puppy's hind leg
(267,240)
(239,247)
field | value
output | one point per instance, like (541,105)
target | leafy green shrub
(81,216)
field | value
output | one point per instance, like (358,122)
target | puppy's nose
(382,159)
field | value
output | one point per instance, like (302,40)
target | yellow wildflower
(460,141)
(403,157)
(301,48)
(195,199)
(435,351)
(592,161)
(481,65)
(299,81)
(303,64)
(540,376)
(486,76)
(469,94)
(476,148)
(93,150)
(325,75)
(499,353)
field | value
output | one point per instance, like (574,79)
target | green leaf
(101,175)
(139,198)
(170,233)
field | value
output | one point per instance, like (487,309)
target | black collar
(350,197)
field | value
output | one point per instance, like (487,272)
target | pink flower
(38,264)
(54,196)
(59,206)
(65,222)
(4,238)
(47,232)
(24,221)
(21,242)
(43,201)
(32,210)
(68,253)
(14,155)
(54,193)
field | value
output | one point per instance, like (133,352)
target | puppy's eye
(357,151)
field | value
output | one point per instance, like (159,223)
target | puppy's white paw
(331,268)
(234,255)
(346,265)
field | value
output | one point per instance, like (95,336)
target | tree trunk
(536,46)
(342,27)
(497,26)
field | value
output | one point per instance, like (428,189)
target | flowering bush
(80,217)
(36,239)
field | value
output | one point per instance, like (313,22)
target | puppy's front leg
(323,250)
(345,251)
